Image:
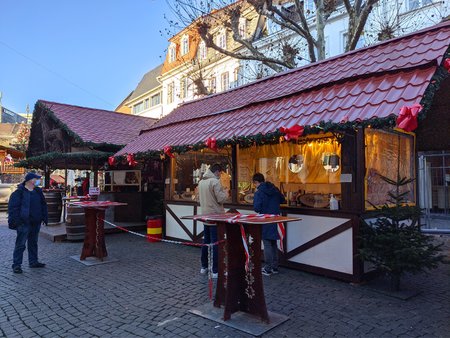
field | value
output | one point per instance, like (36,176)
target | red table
(239,289)
(94,238)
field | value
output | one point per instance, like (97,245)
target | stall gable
(46,135)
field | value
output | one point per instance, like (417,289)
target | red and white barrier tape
(161,239)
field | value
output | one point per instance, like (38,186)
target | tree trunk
(320,26)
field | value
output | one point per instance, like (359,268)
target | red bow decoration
(407,118)
(211,143)
(447,64)
(168,151)
(112,161)
(292,133)
(131,161)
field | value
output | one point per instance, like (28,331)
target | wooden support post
(47,177)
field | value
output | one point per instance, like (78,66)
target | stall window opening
(307,172)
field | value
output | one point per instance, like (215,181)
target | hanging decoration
(112,161)
(330,162)
(292,133)
(211,143)
(131,161)
(8,159)
(447,64)
(407,118)
(168,151)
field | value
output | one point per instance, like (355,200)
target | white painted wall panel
(173,229)
(308,228)
(335,254)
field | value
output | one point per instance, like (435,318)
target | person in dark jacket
(27,210)
(267,200)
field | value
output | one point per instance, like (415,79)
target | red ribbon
(168,151)
(407,118)
(112,161)
(246,251)
(292,133)
(447,64)
(131,161)
(211,143)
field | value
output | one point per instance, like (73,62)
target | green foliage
(394,242)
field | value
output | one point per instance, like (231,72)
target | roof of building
(372,82)
(99,126)
(148,82)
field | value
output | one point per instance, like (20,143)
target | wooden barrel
(75,223)
(54,205)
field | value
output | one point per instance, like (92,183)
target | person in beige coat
(211,197)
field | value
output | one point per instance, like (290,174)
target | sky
(89,53)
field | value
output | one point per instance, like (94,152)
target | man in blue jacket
(267,200)
(27,210)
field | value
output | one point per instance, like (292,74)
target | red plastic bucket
(154,228)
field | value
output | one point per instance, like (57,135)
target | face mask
(38,182)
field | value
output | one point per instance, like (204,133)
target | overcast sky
(84,52)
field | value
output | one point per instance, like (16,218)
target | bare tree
(291,16)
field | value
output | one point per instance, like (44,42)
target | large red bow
(112,161)
(168,151)
(407,118)
(447,64)
(211,143)
(292,133)
(131,161)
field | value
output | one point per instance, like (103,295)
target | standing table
(238,288)
(94,238)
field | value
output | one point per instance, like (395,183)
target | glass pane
(305,173)
(189,169)
(387,154)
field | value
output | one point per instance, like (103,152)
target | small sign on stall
(94,191)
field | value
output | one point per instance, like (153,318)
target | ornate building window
(172,52)
(185,45)
(202,51)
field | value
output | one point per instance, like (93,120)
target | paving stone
(157,284)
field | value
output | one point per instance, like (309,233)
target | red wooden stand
(237,289)
(94,238)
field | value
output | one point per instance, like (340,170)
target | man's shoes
(215,275)
(17,269)
(37,265)
(203,270)
(275,271)
(266,272)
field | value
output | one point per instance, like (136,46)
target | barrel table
(240,284)
(54,205)
(75,223)
(94,238)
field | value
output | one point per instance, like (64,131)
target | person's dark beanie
(30,176)
(258,177)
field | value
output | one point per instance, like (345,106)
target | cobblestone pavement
(150,289)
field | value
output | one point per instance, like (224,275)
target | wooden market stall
(325,129)
(71,137)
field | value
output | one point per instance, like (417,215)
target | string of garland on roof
(43,160)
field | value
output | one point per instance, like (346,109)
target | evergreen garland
(43,160)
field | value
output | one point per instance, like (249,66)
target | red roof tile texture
(370,82)
(97,125)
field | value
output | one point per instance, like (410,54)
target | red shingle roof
(99,126)
(371,82)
